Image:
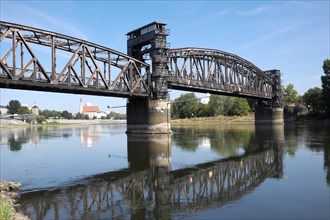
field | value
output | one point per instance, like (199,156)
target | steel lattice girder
(215,71)
(74,65)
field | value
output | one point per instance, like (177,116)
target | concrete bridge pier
(148,116)
(269,116)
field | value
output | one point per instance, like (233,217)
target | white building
(91,111)
(205,100)
(3,110)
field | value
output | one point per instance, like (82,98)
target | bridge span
(35,59)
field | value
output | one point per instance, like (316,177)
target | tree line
(188,106)
(15,107)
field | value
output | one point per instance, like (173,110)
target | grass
(6,208)
(217,119)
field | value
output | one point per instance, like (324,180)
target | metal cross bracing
(36,59)
(217,72)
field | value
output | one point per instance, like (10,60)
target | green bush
(6,208)
(40,119)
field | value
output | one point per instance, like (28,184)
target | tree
(79,116)
(186,106)
(56,114)
(67,115)
(116,115)
(290,95)
(47,113)
(40,119)
(203,110)
(220,105)
(313,99)
(326,85)
(240,107)
(13,106)
(216,106)
(23,110)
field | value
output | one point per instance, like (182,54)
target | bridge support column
(269,116)
(271,112)
(147,116)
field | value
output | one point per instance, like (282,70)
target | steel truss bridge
(35,59)
(157,191)
(215,71)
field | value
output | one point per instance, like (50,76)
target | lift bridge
(41,60)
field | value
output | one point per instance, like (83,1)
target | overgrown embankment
(249,119)
(8,196)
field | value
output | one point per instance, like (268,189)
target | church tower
(81,106)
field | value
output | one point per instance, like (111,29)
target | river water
(201,171)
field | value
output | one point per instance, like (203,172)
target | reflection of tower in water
(272,136)
(147,151)
(153,152)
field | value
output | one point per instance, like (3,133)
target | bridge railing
(36,59)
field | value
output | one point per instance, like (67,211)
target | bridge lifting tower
(152,114)
(271,112)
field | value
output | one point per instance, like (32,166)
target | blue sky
(292,36)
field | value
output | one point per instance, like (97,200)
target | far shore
(248,119)
(54,122)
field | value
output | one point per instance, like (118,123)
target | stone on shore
(9,193)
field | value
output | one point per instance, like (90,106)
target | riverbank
(8,196)
(248,119)
(54,122)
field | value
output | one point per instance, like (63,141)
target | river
(201,171)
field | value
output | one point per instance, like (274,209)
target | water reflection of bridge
(156,192)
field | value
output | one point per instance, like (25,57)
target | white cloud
(21,13)
(258,10)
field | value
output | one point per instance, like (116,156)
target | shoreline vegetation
(8,195)
(57,122)
(248,119)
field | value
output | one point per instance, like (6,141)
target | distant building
(3,110)
(90,110)
(35,109)
(205,100)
